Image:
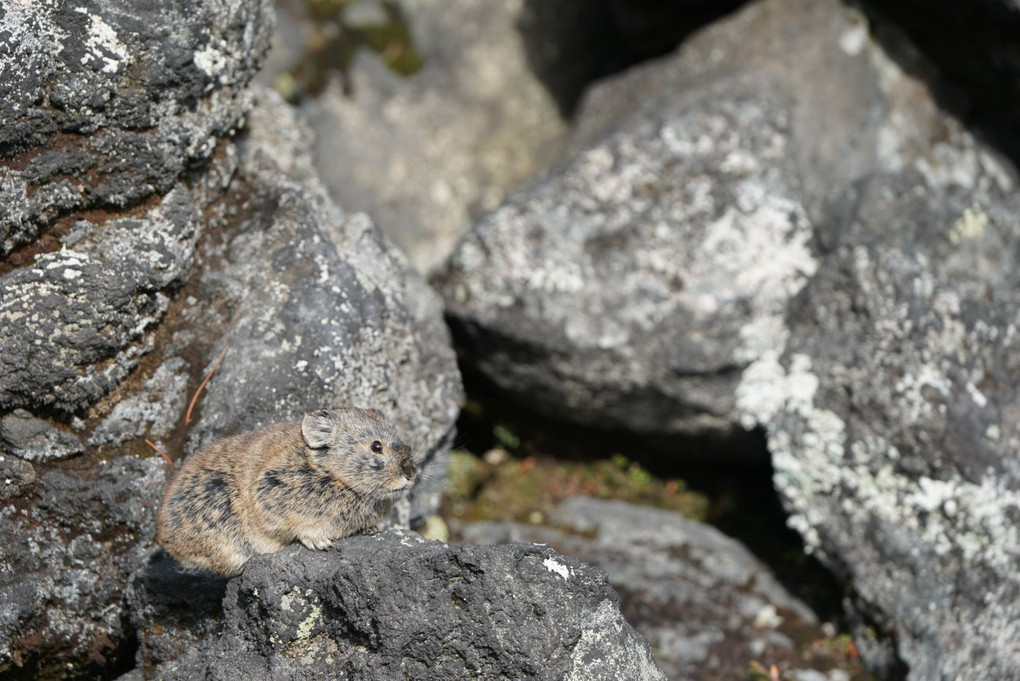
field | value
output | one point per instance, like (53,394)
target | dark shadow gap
(743,502)
(971,58)
(570,44)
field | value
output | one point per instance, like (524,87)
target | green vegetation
(499,486)
(336,41)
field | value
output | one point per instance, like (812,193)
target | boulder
(74,323)
(395,605)
(106,109)
(323,310)
(779,228)
(106,104)
(707,606)
(632,287)
(892,421)
(138,241)
(427,153)
(317,309)
(67,547)
(33,439)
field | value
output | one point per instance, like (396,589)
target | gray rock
(65,562)
(151,413)
(172,610)
(328,312)
(16,476)
(628,289)
(632,287)
(33,439)
(491,123)
(700,598)
(366,326)
(105,104)
(74,323)
(892,418)
(395,605)
(107,315)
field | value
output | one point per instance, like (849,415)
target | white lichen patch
(304,629)
(553,565)
(105,48)
(971,225)
(211,61)
(767,617)
(766,387)
(855,37)
(898,501)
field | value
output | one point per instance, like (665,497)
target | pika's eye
(377,447)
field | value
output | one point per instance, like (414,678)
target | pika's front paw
(370,530)
(315,543)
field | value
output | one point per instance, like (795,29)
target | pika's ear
(317,429)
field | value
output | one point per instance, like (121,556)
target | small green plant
(758,672)
(506,437)
(336,41)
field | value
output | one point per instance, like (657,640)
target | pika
(333,474)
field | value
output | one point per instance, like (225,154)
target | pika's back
(328,476)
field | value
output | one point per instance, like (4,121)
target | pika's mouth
(402,487)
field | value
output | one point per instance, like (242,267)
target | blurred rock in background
(426,153)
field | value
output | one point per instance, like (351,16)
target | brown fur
(313,481)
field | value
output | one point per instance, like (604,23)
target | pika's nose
(407,468)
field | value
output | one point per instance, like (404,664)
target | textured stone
(104,104)
(628,289)
(64,564)
(151,412)
(172,610)
(491,122)
(16,476)
(892,420)
(32,439)
(384,345)
(127,217)
(631,287)
(702,600)
(74,323)
(395,605)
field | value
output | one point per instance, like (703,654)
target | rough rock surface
(32,439)
(705,604)
(633,286)
(892,419)
(426,154)
(126,214)
(67,548)
(316,307)
(394,605)
(731,250)
(324,311)
(74,323)
(104,104)
(171,610)
(151,412)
